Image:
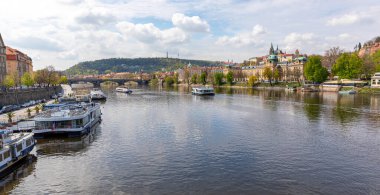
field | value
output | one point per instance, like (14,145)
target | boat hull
(204,94)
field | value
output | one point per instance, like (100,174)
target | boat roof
(67,112)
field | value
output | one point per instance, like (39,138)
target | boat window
(63,124)
(19,147)
(78,122)
(28,142)
(1,158)
(43,125)
(373,81)
(7,154)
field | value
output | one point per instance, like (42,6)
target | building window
(373,81)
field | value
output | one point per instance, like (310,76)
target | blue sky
(65,32)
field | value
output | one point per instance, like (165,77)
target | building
(18,63)
(289,66)
(3,60)
(375,80)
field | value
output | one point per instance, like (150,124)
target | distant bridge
(97,81)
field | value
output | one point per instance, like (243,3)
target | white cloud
(191,24)
(243,39)
(258,30)
(149,33)
(95,18)
(68,55)
(345,19)
(299,40)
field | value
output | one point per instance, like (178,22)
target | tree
(368,67)
(63,80)
(252,81)
(218,78)
(376,60)
(10,115)
(9,81)
(169,81)
(268,74)
(27,80)
(230,77)
(314,71)
(37,108)
(40,77)
(52,76)
(276,75)
(187,76)
(348,66)
(175,78)
(203,78)
(29,112)
(330,57)
(194,78)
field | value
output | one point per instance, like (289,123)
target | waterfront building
(375,80)
(18,63)
(289,66)
(3,60)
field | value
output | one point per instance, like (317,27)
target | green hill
(134,65)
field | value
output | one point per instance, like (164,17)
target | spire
(271,50)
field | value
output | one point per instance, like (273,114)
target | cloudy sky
(64,32)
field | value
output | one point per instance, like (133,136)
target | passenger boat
(203,91)
(123,89)
(71,120)
(14,147)
(97,94)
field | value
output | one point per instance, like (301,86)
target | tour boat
(71,120)
(123,89)
(97,94)
(203,91)
(14,147)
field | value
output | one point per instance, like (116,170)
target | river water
(240,141)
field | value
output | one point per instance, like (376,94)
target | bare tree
(330,57)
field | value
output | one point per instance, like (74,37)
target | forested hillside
(133,65)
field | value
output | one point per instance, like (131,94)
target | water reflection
(66,146)
(21,170)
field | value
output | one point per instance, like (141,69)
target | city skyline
(64,32)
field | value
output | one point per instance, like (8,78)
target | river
(241,141)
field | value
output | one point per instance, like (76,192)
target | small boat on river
(97,94)
(203,91)
(351,91)
(70,120)
(123,89)
(14,147)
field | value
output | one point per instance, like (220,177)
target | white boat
(97,94)
(351,91)
(203,91)
(14,147)
(123,89)
(71,120)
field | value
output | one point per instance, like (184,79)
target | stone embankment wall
(25,95)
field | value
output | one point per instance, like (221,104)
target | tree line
(345,65)
(43,78)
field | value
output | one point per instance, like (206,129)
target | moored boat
(14,147)
(70,120)
(351,91)
(97,94)
(203,91)
(123,89)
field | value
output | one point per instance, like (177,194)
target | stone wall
(25,95)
